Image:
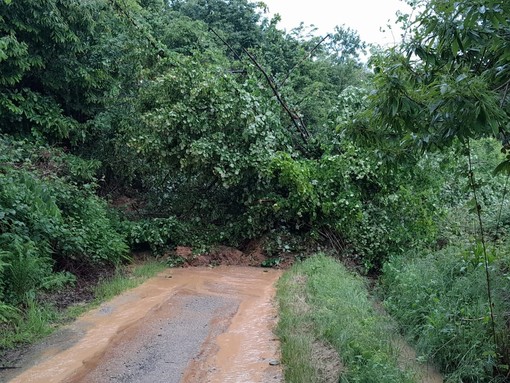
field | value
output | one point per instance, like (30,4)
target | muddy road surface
(195,325)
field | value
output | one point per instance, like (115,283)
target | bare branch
(297,121)
(226,43)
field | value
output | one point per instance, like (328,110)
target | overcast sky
(366,16)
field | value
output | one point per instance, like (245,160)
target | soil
(186,325)
(253,255)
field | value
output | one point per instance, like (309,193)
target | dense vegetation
(217,127)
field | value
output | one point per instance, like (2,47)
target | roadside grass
(38,319)
(36,322)
(439,300)
(324,307)
(294,330)
(113,286)
(124,279)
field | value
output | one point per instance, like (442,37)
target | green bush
(68,219)
(28,266)
(50,220)
(158,234)
(87,233)
(352,195)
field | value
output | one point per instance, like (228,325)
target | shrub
(158,233)
(352,195)
(50,219)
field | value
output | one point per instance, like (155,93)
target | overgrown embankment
(330,330)
(440,301)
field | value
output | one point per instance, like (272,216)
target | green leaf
(503,167)
(455,47)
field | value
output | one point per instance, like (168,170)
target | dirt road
(184,326)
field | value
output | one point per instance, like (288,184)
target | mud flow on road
(207,325)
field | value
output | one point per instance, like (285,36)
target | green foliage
(349,194)
(28,267)
(8,314)
(448,80)
(271,262)
(32,326)
(147,269)
(143,93)
(112,287)
(237,19)
(440,300)
(76,227)
(88,234)
(126,279)
(313,85)
(138,98)
(159,234)
(50,219)
(220,123)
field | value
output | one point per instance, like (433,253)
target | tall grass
(124,280)
(322,303)
(440,300)
(36,322)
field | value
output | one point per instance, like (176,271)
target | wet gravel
(159,349)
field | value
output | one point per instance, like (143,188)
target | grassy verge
(30,324)
(330,330)
(38,319)
(123,281)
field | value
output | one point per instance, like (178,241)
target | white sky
(365,16)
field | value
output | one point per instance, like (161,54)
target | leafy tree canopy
(449,80)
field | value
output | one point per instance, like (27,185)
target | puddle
(236,347)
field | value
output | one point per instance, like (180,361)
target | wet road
(184,326)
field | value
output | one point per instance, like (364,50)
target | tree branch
(226,43)
(303,59)
(296,120)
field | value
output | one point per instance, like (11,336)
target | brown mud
(227,314)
